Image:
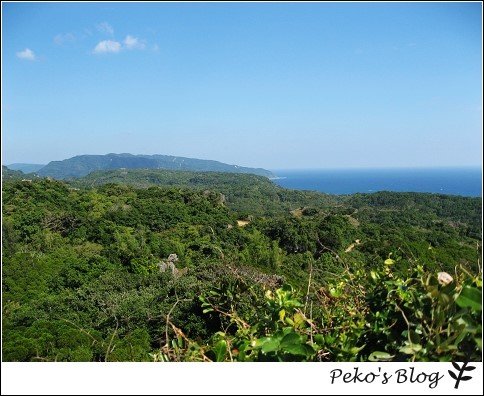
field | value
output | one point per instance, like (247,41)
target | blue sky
(275,85)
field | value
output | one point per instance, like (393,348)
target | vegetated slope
(9,174)
(456,212)
(26,168)
(84,164)
(248,195)
(89,274)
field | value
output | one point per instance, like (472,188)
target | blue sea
(453,181)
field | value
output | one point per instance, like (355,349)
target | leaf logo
(459,377)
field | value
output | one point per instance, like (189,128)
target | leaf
(319,339)
(354,350)
(378,356)
(298,320)
(294,303)
(292,343)
(291,338)
(270,345)
(285,331)
(257,343)
(282,314)
(470,297)
(451,373)
(469,368)
(299,349)
(220,349)
(389,261)
(465,378)
(456,366)
(411,349)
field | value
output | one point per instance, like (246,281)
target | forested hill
(25,168)
(112,272)
(84,164)
(251,195)
(247,194)
(10,174)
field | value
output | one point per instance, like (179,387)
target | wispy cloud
(106,28)
(64,38)
(26,54)
(107,46)
(132,43)
(128,44)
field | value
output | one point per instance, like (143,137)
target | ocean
(453,181)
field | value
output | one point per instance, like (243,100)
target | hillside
(9,174)
(25,168)
(246,194)
(119,273)
(82,165)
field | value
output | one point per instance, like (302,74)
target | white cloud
(107,46)
(64,38)
(105,27)
(26,54)
(133,43)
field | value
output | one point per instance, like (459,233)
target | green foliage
(279,334)
(440,321)
(167,273)
(392,318)
(10,174)
(246,194)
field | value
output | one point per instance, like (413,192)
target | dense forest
(152,265)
